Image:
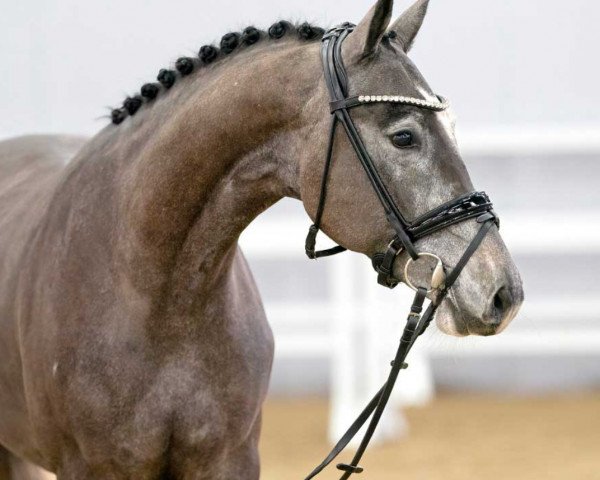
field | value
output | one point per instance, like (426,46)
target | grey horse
(134,342)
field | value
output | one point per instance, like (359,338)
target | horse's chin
(449,320)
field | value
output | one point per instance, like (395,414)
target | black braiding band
(250,36)
(229,42)
(118,115)
(150,91)
(278,30)
(184,65)
(166,78)
(133,104)
(208,54)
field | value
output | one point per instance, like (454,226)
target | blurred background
(523,80)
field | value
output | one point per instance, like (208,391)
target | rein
(475,205)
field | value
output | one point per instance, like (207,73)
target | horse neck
(198,166)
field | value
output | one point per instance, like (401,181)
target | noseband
(475,205)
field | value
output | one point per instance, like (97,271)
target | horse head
(415,154)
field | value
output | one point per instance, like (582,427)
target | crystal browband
(439,106)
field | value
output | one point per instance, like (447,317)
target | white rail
(297,337)
(531,139)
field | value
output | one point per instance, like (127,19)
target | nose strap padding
(473,205)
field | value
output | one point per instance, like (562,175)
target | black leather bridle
(475,205)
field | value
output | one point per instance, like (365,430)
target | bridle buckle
(384,264)
(336,31)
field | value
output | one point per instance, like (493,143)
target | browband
(351,102)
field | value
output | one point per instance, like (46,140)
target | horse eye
(403,138)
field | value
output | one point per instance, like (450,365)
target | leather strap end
(384,265)
(310,244)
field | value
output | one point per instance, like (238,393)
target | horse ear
(408,25)
(369,32)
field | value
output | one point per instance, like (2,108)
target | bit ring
(438,277)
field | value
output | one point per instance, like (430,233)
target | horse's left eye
(403,139)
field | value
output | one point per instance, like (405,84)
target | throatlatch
(474,205)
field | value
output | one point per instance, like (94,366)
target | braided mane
(208,54)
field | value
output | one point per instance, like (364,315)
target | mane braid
(229,43)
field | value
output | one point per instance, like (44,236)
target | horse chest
(192,401)
(195,405)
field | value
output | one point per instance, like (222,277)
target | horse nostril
(500,305)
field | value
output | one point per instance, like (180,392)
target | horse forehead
(394,73)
